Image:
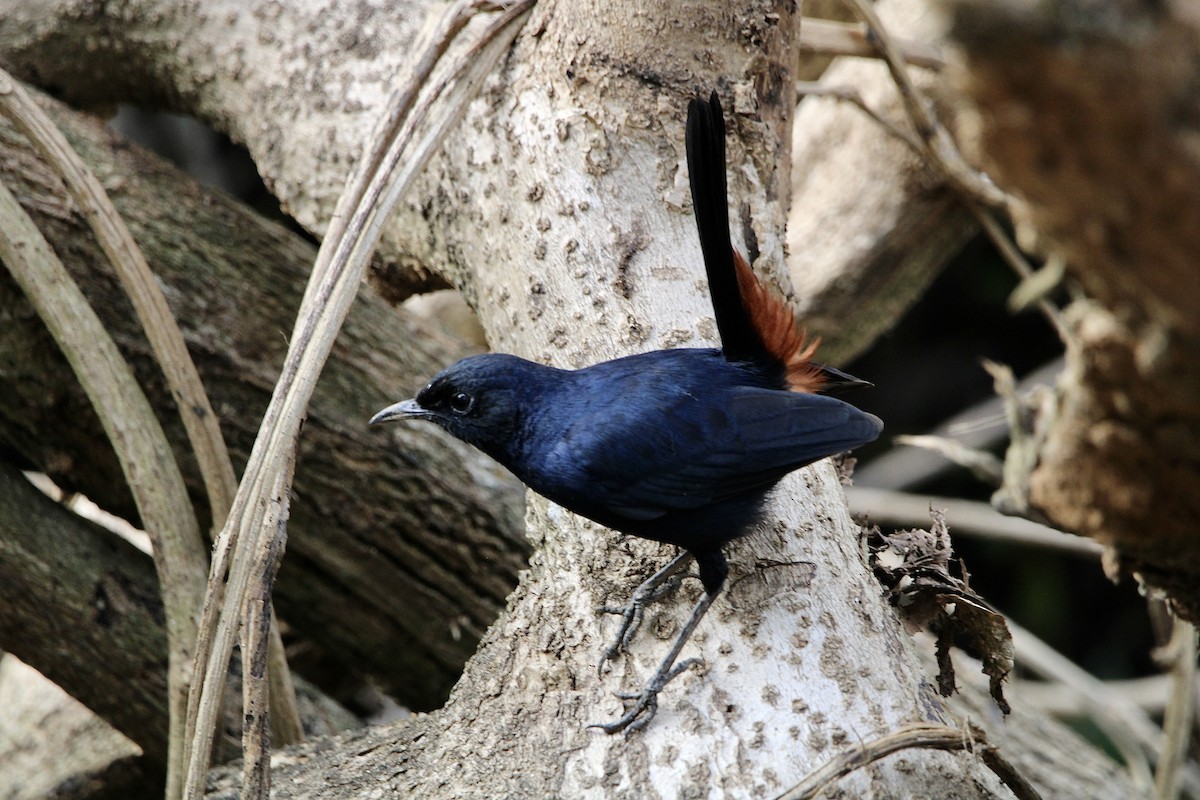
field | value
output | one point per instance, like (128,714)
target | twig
(970,518)
(136,436)
(1016,260)
(286,725)
(848,94)
(829,38)
(166,341)
(379,180)
(943,153)
(1036,285)
(916,735)
(1149,694)
(1180,712)
(987,468)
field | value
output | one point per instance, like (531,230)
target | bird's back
(677,445)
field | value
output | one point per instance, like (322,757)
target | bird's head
(481,400)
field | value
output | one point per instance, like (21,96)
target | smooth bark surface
(870,225)
(52,746)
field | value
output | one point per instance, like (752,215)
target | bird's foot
(651,590)
(632,614)
(645,705)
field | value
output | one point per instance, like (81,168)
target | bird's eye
(461,403)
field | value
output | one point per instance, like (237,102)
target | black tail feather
(706,174)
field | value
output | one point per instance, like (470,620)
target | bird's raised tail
(754,324)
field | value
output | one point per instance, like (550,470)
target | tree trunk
(85,609)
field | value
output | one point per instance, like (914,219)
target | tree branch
(84,606)
(870,224)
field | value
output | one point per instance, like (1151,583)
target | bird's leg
(654,588)
(646,701)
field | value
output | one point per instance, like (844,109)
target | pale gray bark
(870,225)
(52,746)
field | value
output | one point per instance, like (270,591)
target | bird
(680,446)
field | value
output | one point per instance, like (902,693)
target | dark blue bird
(679,446)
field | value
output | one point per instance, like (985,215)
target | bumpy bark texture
(565,214)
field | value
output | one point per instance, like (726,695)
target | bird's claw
(656,587)
(635,719)
(645,702)
(631,619)
(620,642)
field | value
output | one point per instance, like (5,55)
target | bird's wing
(702,450)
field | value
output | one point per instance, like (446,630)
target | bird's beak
(405,409)
(838,381)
